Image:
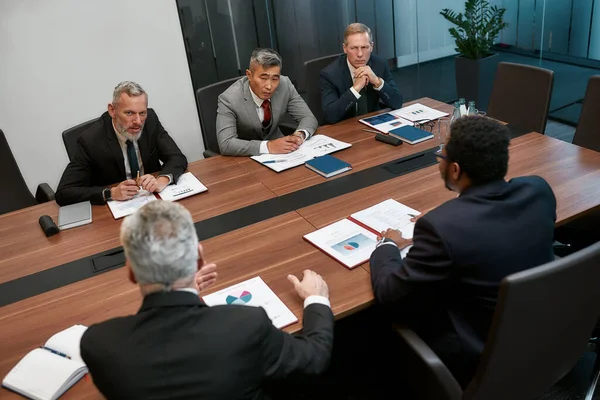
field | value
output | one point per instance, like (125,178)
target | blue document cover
(328,165)
(411,135)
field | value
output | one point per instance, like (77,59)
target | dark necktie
(133,161)
(362,105)
(266,106)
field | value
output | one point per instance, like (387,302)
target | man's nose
(137,119)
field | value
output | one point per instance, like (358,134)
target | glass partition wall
(561,35)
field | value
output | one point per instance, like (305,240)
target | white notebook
(47,372)
(187,185)
(254,292)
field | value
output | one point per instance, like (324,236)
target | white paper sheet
(187,185)
(254,292)
(388,214)
(418,112)
(122,209)
(347,242)
(316,146)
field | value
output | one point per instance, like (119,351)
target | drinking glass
(443,130)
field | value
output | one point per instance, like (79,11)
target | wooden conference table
(251,222)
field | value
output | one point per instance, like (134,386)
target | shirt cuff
(306,135)
(170,176)
(386,241)
(355,93)
(264,149)
(380,86)
(316,300)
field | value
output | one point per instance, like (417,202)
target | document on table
(255,293)
(418,112)
(317,145)
(120,209)
(385,122)
(388,214)
(187,185)
(346,241)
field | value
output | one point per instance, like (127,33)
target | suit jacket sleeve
(334,105)
(389,93)
(298,109)
(174,162)
(229,142)
(75,184)
(423,272)
(308,353)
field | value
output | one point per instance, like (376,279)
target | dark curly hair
(480,146)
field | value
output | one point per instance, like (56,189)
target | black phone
(388,139)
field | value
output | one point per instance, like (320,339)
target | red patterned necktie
(266,106)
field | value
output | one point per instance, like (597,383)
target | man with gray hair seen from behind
(176,347)
(126,144)
(250,111)
(357,82)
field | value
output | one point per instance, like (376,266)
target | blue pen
(273,161)
(55,352)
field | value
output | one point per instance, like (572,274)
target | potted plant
(474,35)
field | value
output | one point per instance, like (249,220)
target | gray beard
(127,135)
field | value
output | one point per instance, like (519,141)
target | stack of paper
(316,146)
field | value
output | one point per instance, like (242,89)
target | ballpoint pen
(370,130)
(412,215)
(273,161)
(55,352)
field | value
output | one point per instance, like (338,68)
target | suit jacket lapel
(114,146)
(250,106)
(346,77)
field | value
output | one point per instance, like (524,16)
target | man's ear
(248,74)
(130,273)
(111,110)
(344,48)
(455,170)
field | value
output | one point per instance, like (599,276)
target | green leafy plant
(476,29)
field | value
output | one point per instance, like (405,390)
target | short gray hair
(161,243)
(265,58)
(129,87)
(357,27)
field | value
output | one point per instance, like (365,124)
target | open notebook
(49,371)
(352,240)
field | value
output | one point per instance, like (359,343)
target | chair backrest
(312,69)
(18,195)
(541,327)
(521,96)
(587,134)
(207,105)
(71,135)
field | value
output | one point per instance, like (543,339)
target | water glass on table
(443,130)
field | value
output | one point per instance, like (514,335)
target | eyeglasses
(439,154)
(425,124)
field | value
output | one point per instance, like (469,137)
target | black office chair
(541,327)
(584,231)
(18,195)
(207,104)
(521,96)
(587,134)
(71,135)
(312,70)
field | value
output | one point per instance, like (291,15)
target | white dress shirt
(264,149)
(352,72)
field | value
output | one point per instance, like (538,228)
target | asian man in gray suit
(249,111)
